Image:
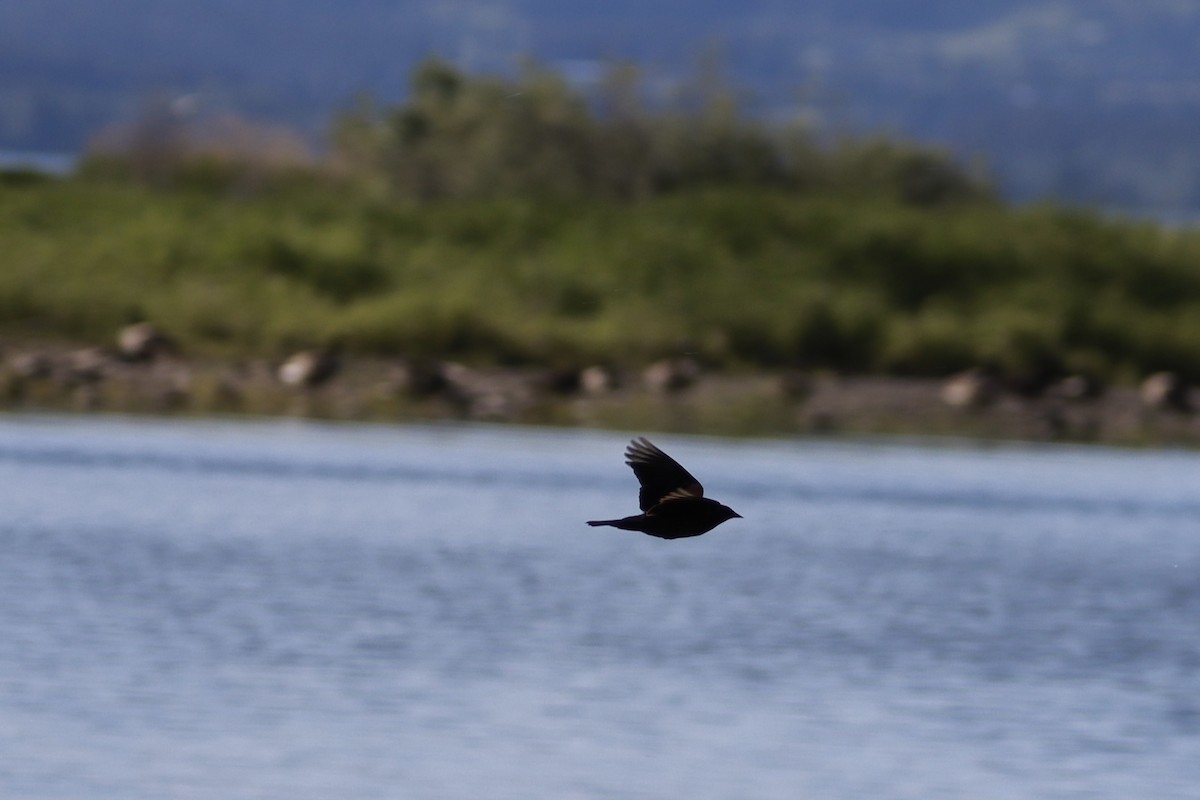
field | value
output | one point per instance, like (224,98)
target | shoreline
(671,397)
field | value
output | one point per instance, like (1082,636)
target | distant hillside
(1090,100)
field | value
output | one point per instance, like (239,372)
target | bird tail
(595,522)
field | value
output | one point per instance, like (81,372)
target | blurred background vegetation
(519,221)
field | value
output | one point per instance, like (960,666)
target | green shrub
(517,221)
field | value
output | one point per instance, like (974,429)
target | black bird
(672,500)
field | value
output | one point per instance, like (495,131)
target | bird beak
(739,516)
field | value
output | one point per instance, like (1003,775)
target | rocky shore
(141,373)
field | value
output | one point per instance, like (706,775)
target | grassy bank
(738,276)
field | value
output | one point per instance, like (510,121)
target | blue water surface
(287,610)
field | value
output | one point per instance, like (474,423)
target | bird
(672,501)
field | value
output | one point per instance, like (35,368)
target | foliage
(519,221)
(738,276)
(468,137)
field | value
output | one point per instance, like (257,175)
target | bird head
(728,513)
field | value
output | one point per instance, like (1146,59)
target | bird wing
(660,475)
(670,502)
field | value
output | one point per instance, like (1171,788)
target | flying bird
(672,501)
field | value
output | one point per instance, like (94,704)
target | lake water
(287,610)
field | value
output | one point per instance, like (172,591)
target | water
(279,610)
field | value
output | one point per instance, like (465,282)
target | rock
(479,394)
(1165,391)
(558,381)
(462,381)
(309,368)
(141,342)
(31,366)
(1076,389)
(419,378)
(597,380)
(671,375)
(86,366)
(972,389)
(796,385)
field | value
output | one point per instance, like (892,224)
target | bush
(516,220)
(460,136)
